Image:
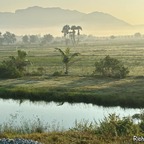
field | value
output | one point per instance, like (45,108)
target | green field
(131,53)
(80,85)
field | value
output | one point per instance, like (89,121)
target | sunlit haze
(130,11)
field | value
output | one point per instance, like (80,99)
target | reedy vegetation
(112,129)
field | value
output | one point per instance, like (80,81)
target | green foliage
(9,37)
(25,126)
(111,67)
(48,38)
(67,58)
(57,73)
(70,32)
(140,118)
(14,66)
(112,129)
(114,126)
(25,39)
(33,39)
(41,70)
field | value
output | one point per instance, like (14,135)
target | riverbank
(71,137)
(127,92)
(112,129)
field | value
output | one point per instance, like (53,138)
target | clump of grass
(20,125)
(24,126)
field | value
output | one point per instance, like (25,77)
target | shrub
(14,66)
(57,73)
(113,125)
(111,67)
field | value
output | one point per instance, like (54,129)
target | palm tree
(67,57)
(73,28)
(65,31)
(78,33)
(1,38)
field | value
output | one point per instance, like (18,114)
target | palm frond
(67,51)
(74,55)
(62,52)
(79,27)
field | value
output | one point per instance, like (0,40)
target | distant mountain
(37,17)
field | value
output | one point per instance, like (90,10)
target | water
(65,114)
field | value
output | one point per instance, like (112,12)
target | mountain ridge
(59,15)
(56,17)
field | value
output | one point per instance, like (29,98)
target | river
(65,114)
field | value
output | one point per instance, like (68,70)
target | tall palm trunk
(66,68)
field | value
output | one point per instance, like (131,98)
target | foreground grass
(71,137)
(111,130)
(127,92)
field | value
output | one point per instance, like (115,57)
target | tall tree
(67,57)
(25,39)
(47,39)
(1,39)
(34,39)
(78,33)
(73,28)
(9,37)
(65,31)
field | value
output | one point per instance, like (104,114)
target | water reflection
(63,113)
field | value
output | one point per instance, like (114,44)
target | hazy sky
(132,11)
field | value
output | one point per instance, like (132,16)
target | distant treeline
(9,38)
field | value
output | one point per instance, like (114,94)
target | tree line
(11,38)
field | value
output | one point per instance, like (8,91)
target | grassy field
(80,85)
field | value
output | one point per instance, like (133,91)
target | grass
(101,91)
(130,52)
(80,85)
(110,130)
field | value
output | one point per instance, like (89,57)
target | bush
(113,125)
(15,66)
(111,67)
(57,73)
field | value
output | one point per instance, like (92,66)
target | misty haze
(38,20)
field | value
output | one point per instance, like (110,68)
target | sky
(131,11)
